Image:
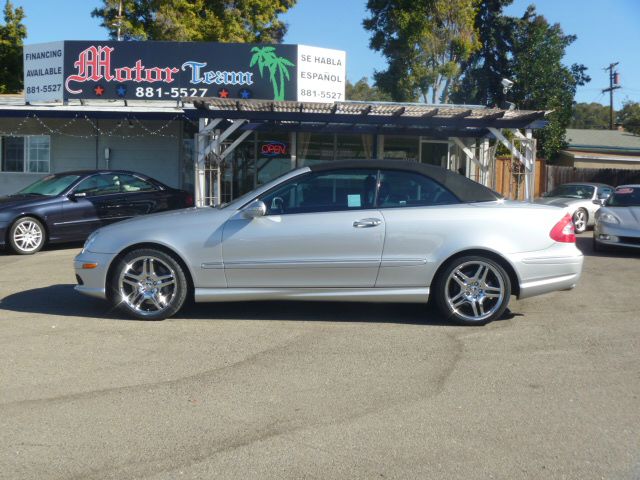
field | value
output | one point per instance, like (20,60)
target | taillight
(564,231)
(188,200)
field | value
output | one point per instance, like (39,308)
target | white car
(581,199)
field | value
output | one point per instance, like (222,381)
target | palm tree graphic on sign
(277,66)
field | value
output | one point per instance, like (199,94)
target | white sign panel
(321,74)
(43,72)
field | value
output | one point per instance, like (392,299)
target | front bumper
(553,269)
(93,281)
(616,235)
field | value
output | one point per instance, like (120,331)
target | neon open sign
(273,148)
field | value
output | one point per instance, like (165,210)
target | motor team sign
(60,71)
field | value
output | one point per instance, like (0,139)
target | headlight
(605,217)
(89,241)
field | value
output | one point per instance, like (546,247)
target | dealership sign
(61,71)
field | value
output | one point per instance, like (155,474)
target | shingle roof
(602,140)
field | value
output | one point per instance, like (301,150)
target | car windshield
(625,197)
(50,186)
(573,191)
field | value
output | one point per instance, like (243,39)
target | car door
(140,197)
(92,203)
(419,213)
(320,230)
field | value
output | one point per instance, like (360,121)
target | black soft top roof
(465,189)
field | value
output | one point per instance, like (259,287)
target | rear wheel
(473,290)
(27,236)
(149,284)
(580,218)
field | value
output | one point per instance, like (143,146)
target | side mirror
(257,208)
(600,201)
(75,196)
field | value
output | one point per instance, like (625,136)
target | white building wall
(77,147)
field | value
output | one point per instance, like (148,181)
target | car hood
(11,201)
(557,201)
(629,216)
(158,227)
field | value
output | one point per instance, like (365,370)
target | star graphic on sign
(121,90)
(223,93)
(99,90)
(245,93)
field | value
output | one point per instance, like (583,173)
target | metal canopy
(450,120)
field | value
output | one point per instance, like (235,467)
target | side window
(605,193)
(99,185)
(130,183)
(324,192)
(409,189)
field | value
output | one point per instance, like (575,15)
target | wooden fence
(557,175)
(509,180)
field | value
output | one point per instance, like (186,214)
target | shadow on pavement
(62,300)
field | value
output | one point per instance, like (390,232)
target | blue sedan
(67,207)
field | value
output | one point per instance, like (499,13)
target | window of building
(29,154)
(397,147)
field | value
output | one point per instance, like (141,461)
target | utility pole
(614,81)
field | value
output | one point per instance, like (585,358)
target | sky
(608,31)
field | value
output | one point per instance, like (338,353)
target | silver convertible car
(618,222)
(368,231)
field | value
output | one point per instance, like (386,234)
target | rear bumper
(557,268)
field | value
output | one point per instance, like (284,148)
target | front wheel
(580,218)
(148,284)
(472,290)
(27,236)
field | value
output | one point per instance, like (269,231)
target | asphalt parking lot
(299,390)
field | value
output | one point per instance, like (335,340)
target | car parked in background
(618,222)
(370,231)
(67,207)
(581,199)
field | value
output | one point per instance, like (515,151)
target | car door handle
(367,223)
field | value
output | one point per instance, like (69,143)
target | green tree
(361,90)
(424,42)
(629,116)
(542,82)
(277,66)
(253,21)
(12,35)
(487,66)
(590,115)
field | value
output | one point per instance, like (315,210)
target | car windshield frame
(51,185)
(620,196)
(563,191)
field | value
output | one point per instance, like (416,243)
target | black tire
(148,284)
(27,236)
(455,296)
(580,220)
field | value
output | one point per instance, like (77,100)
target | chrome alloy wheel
(147,285)
(580,220)
(27,236)
(474,290)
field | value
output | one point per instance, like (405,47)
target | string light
(113,132)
